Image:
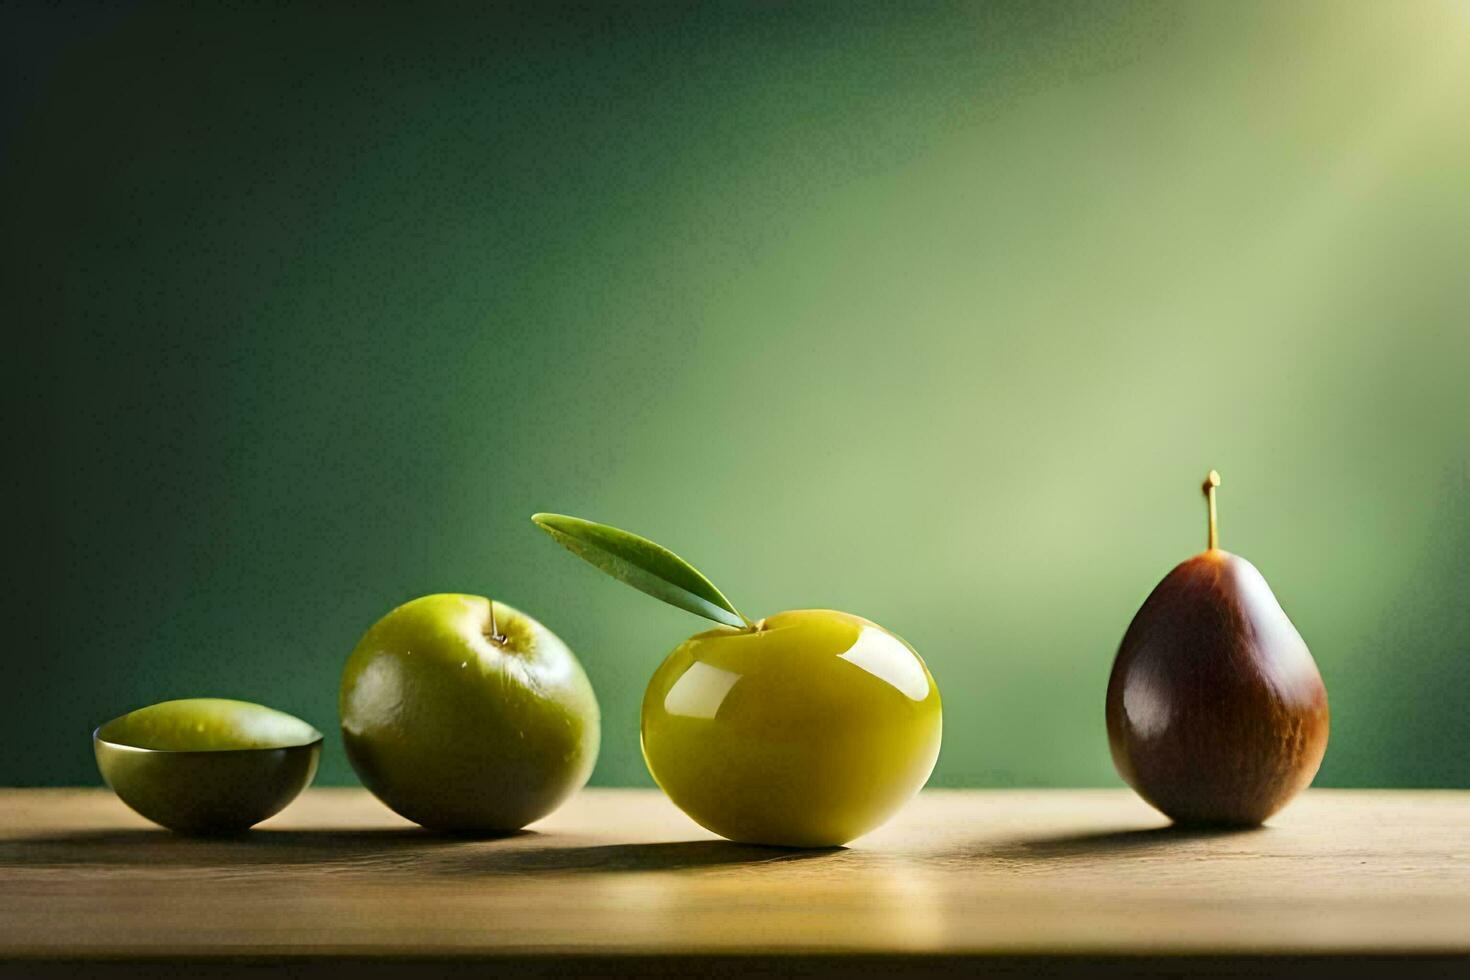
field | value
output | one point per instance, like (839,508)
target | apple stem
(495,634)
(1211,482)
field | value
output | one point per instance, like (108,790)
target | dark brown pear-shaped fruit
(1216,712)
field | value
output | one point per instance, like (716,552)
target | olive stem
(1211,482)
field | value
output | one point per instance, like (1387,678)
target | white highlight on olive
(700,691)
(887,658)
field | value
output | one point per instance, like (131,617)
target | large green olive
(207,765)
(808,731)
(463,724)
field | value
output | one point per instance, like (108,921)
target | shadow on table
(1103,843)
(153,846)
(385,850)
(659,856)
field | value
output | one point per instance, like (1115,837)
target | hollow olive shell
(207,765)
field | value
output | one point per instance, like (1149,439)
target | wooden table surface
(1078,882)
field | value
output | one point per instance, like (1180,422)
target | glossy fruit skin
(1216,712)
(459,733)
(207,766)
(809,732)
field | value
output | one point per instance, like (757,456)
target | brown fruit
(1216,712)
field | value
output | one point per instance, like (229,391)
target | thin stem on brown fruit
(1211,482)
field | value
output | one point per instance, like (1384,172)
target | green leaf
(642,564)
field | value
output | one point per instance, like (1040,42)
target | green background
(936,313)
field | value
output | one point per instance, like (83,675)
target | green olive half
(207,765)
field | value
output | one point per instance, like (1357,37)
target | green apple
(806,729)
(464,714)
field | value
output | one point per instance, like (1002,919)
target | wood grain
(1035,877)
